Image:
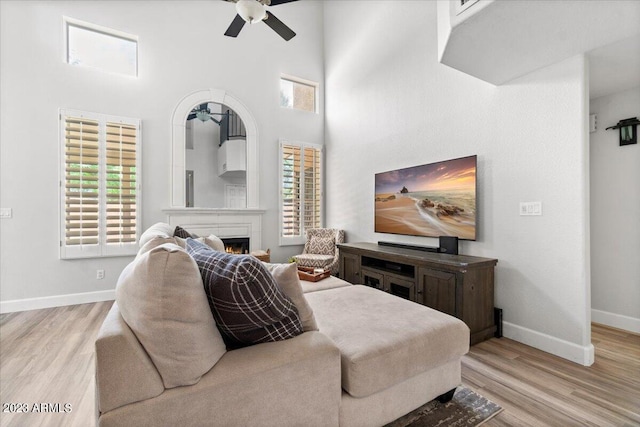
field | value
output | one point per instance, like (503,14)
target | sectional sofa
(373,358)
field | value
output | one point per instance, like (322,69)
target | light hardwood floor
(46,356)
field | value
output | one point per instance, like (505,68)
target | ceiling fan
(203,113)
(253,11)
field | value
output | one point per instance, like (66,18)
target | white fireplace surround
(224,223)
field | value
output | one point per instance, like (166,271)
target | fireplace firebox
(236,245)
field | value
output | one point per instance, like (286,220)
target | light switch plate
(6,213)
(530,208)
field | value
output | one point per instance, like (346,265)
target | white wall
(390,104)
(181,50)
(615,213)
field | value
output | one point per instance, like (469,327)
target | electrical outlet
(6,213)
(100,274)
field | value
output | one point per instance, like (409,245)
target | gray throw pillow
(246,302)
(287,278)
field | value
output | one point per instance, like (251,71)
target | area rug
(467,408)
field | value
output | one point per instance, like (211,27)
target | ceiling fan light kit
(253,11)
(202,115)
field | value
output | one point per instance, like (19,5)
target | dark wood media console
(459,285)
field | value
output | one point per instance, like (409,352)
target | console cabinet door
(401,287)
(437,289)
(350,267)
(373,279)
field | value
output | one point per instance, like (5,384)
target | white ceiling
(615,67)
(498,41)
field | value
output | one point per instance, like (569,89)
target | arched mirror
(215,158)
(214,153)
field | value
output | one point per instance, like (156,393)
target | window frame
(87,26)
(299,239)
(305,82)
(101,249)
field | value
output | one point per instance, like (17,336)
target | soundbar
(405,246)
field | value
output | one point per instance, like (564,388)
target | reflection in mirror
(215,158)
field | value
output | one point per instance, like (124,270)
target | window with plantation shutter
(300,190)
(100,185)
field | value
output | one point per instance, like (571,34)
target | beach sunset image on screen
(436,199)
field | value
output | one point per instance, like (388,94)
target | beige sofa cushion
(295,382)
(324,284)
(286,276)
(384,339)
(162,299)
(154,242)
(159,229)
(212,241)
(124,372)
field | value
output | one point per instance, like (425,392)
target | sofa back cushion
(247,304)
(159,229)
(161,297)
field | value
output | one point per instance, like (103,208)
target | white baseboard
(618,321)
(55,301)
(584,355)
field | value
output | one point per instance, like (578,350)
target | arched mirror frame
(178,124)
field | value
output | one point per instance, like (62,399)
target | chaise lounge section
(374,358)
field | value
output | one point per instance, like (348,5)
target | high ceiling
(498,41)
(615,67)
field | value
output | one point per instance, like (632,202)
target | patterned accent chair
(321,249)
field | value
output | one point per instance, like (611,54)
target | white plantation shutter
(300,190)
(100,185)
(290,188)
(121,179)
(312,187)
(81,184)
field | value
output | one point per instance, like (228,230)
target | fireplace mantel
(221,222)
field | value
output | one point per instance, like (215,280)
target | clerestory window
(298,94)
(94,46)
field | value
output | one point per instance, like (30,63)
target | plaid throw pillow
(246,302)
(181,232)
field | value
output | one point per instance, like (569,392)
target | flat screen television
(436,199)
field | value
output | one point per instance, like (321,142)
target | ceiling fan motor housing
(253,11)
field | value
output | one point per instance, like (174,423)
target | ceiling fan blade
(235,27)
(279,27)
(277,2)
(191,116)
